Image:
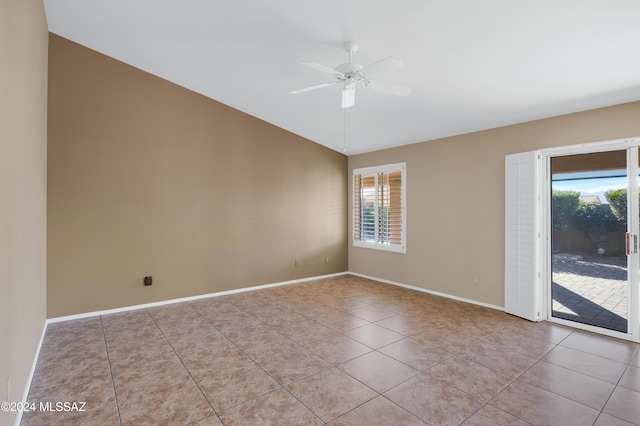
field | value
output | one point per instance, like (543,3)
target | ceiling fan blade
(383,65)
(386,87)
(306,89)
(322,68)
(349,95)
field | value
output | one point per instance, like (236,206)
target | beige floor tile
(403,324)
(263,345)
(331,393)
(277,317)
(586,363)
(429,315)
(520,343)
(243,329)
(624,404)
(313,310)
(417,354)
(341,322)
(541,407)
(498,358)
(149,377)
(374,336)
(491,416)
(175,311)
(306,332)
(446,338)
(139,318)
(224,389)
(131,338)
(292,365)
(434,401)
(179,404)
(578,387)
(542,330)
(76,327)
(200,338)
(378,371)
(275,408)
(470,377)
(494,318)
(192,324)
(203,360)
(64,346)
(378,412)
(216,312)
(107,415)
(337,349)
(60,342)
(631,378)
(607,420)
(95,391)
(465,324)
(342,303)
(227,318)
(370,313)
(121,357)
(605,347)
(69,369)
(211,420)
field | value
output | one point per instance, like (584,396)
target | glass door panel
(589,265)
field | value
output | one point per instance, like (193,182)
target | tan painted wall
(23,151)
(148,178)
(455,200)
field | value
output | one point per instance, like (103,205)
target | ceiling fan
(349,74)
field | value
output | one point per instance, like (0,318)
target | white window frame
(376,244)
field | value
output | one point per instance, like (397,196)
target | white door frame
(543,185)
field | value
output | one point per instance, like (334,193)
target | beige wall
(23,150)
(148,178)
(455,200)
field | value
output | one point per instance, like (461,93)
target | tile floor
(338,351)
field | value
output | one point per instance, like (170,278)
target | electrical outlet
(474,280)
(326,259)
(297,263)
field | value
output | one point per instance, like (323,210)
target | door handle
(628,243)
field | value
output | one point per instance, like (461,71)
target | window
(379,218)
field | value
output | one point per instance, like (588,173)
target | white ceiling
(472,64)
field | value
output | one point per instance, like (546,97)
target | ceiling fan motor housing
(349,68)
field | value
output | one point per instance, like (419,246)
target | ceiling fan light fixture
(349,94)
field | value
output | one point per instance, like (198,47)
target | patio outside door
(594,238)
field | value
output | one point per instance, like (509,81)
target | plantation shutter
(521,237)
(378,207)
(390,219)
(364,207)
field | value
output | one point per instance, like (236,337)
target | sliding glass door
(593,223)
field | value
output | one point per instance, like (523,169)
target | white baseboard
(31,372)
(187,299)
(435,293)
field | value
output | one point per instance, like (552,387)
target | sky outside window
(590,183)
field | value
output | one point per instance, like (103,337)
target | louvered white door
(522,291)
